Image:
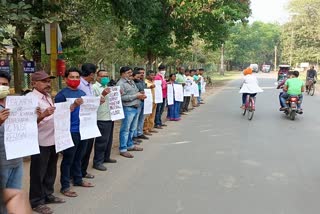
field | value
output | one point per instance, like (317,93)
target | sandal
(89,176)
(54,200)
(135,148)
(126,154)
(43,209)
(85,184)
(69,193)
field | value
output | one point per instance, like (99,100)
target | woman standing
(173,110)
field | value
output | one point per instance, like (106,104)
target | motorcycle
(292,110)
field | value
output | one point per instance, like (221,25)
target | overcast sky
(269,10)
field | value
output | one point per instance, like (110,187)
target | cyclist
(293,87)
(311,77)
(250,86)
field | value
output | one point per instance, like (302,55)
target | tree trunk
(151,58)
(17,62)
(36,52)
(222,61)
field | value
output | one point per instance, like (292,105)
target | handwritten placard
(203,87)
(62,134)
(147,109)
(115,103)
(187,90)
(195,89)
(158,91)
(178,92)
(88,117)
(21,129)
(170,95)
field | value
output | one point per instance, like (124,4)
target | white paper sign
(170,95)
(158,91)
(178,92)
(21,129)
(187,90)
(115,103)
(203,87)
(195,89)
(147,109)
(88,117)
(62,134)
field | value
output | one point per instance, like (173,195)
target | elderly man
(131,99)
(43,167)
(103,144)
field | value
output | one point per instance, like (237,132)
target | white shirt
(250,85)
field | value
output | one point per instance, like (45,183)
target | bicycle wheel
(244,111)
(250,109)
(312,89)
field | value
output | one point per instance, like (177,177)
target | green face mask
(105,81)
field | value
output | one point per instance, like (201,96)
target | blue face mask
(105,81)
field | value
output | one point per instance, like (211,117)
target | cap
(40,75)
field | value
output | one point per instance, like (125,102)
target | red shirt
(164,84)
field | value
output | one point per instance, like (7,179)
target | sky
(269,11)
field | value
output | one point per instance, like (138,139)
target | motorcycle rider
(292,87)
(311,77)
(280,86)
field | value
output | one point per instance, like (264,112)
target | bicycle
(249,106)
(311,88)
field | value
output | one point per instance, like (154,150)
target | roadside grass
(220,80)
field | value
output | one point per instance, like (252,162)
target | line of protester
(177,92)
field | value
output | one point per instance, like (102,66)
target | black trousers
(43,171)
(103,144)
(86,157)
(186,103)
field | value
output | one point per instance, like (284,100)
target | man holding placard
(161,105)
(43,167)
(71,162)
(131,98)
(103,144)
(149,121)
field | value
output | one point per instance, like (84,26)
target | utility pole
(291,48)
(275,58)
(222,60)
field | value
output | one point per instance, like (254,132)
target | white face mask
(163,73)
(4,91)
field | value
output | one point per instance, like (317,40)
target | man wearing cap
(43,166)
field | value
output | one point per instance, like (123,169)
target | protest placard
(178,92)
(187,90)
(88,117)
(62,134)
(147,109)
(170,95)
(195,89)
(158,91)
(21,129)
(203,87)
(115,103)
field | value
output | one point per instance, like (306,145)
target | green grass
(219,80)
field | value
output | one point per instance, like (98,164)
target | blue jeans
(285,96)
(128,126)
(12,177)
(159,111)
(244,97)
(199,98)
(140,121)
(71,162)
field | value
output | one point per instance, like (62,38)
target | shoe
(110,161)
(147,133)
(282,109)
(184,113)
(126,154)
(100,167)
(43,209)
(154,131)
(137,139)
(202,103)
(143,137)
(136,149)
(54,200)
(158,127)
(136,143)
(243,107)
(163,125)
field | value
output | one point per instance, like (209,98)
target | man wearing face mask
(88,71)
(43,168)
(11,170)
(131,99)
(160,106)
(71,162)
(103,144)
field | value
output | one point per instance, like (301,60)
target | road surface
(216,161)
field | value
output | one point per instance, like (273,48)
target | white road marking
(181,142)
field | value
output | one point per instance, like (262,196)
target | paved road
(216,161)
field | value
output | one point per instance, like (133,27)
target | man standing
(160,106)
(149,121)
(187,88)
(43,167)
(71,162)
(103,144)
(201,72)
(131,99)
(88,71)
(181,79)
